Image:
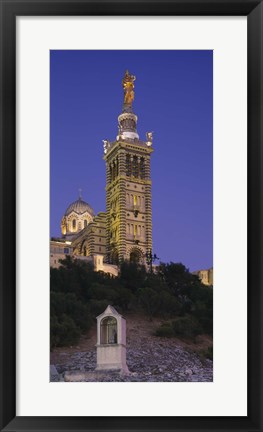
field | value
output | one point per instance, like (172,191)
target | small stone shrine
(111,341)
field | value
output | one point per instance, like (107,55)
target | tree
(132,275)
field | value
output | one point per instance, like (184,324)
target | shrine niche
(111,341)
(108,331)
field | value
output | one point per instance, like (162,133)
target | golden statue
(128,87)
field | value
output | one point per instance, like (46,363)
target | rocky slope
(149,358)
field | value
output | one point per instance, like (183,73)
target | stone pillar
(108,216)
(148,204)
(122,207)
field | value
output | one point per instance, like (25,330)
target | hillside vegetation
(79,294)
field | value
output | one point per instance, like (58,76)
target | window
(85,223)
(74,224)
(142,168)
(128,165)
(135,256)
(108,331)
(113,171)
(66,250)
(135,168)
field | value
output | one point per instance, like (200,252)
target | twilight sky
(174,99)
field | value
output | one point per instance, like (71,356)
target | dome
(79,207)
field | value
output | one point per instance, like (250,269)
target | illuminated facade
(77,216)
(128,188)
(124,232)
(205,276)
(92,239)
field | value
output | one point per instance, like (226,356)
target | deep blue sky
(174,99)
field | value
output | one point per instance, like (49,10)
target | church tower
(128,187)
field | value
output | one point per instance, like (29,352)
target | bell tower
(128,186)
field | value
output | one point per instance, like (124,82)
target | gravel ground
(149,358)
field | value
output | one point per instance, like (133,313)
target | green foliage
(67,304)
(186,327)
(183,327)
(125,298)
(63,331)
(132,275)
(209,353)
(169,305)
(148,299)
(202,308)
(165,330)
(98,306)
(79,294)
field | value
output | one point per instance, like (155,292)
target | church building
(124,231)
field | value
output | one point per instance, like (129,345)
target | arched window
(113,171)
(135,167)
(85,223)
(108,331)
(128,165)
(135,256)
(142,168)
(74,224)
(117,166)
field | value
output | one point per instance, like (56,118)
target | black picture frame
(9,11)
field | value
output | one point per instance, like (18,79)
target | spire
(80,195)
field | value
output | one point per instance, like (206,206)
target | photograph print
(131,216)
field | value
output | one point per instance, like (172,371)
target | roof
(79,207)
(110,310)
